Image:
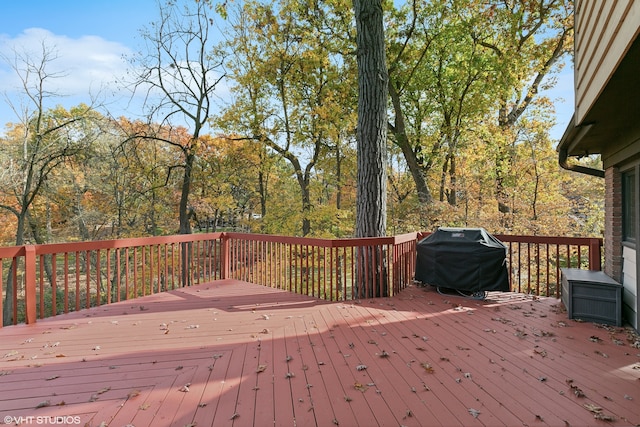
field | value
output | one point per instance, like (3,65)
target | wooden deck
(232,353)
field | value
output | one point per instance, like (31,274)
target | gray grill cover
(468,259)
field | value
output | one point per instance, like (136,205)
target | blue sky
(113,20)
(89,38)
(92,36)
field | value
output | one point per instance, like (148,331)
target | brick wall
(613,223)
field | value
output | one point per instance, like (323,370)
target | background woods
(252,121)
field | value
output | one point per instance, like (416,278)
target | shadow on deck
(233,353)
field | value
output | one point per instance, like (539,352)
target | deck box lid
(588,276)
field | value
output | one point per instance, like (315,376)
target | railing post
(595,255)
(224,254)
(30,283)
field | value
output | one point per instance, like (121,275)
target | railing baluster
(41,281)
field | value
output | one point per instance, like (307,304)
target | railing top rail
(560,240)
(315,241)
(12,251)
(52,248)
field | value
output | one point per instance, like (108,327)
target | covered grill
(463,259)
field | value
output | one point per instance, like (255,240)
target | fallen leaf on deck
(144,406)
(185,388)
(11,354)
(133,394)
(592,408)
(43,404)
(474,412)
(540,351)
(603,417)
(361,367)
(53,377)
(261,368)
(360,387)
(427,367)
(576,390)
(234,416)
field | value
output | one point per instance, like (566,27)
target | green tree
(288,79)
(526,40)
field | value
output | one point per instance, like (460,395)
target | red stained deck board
(248,399)
(210,398)
(320,383)
(346,339)
(264,385)
(412,350)
(329,348)
(226,408)
(511,378)
(505,343)
(323,379)
(473,368)
(282,380)
(389,371)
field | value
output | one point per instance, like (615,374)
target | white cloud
(88,69)
(84,68)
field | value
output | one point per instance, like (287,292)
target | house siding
(629,282)
(604,32)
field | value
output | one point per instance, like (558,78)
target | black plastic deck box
(592,296)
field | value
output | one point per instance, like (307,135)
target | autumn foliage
(279,154)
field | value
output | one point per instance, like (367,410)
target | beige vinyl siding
(604,32)
(629,281)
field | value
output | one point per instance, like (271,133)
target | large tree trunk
(371,204)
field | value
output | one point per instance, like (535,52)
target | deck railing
(46,280)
